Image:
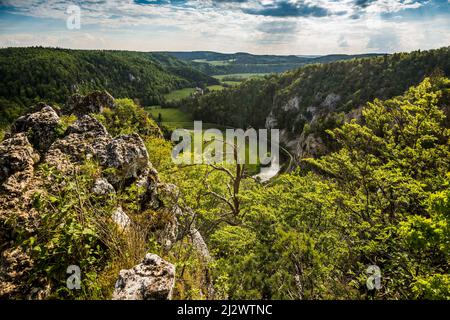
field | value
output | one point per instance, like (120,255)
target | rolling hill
(36,74)
(214,63)
(305,102)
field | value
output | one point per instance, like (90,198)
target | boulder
(87,124)
(17,159)
(14,267)
(91,103)
(331,101)
(102,187)
(153,279)
(86,138)
(40,128)
(127,154)
(121,218)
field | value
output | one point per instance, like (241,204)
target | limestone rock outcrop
(153,279)
(85,139)
(102,187)
(127,154)
(17,159)
(39,128)
(293,115)
(15,264)
(121,218)
(95,102)
(29,154)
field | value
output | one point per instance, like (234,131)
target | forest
(357,82)
(213,63)
(380,197)
(31,75)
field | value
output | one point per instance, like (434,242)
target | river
(268,173)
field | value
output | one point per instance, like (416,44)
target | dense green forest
(355,82)
(29,75)
(380,197)
(213,63)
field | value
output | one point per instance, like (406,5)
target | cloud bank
(258,26)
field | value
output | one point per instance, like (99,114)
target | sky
(300,27)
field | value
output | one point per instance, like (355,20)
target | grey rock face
(292,104)
(87,124)
(331,101)
(271,121)
(16,264)
(153,279)
(200,245)
(39,127)
(127,154)
(17,158)
(92,103)
(87,138)
(102,187)
(121,218)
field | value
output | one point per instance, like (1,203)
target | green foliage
(126,118)
(290,240)
(356,82)
(64,122)
(37,74)
(72,225)
(160,153)
(381,199)
(239,106)
(427,234)
(10,110)
(388,169)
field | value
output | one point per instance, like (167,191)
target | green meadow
(179,94)
(169,114)
(214,62)
(242,76)
(174,118)
(215,87)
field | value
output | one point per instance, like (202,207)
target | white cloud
(223,26)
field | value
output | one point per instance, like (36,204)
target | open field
(179,94)
(187,92)
(174,118)
(169,114)
(231,83)
(215,87)
(214,62)
(207,139)
(242,76)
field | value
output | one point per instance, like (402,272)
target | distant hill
(311,99)
(36,74)
(340,57)
(214,63)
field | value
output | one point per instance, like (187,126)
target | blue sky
(257,26)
